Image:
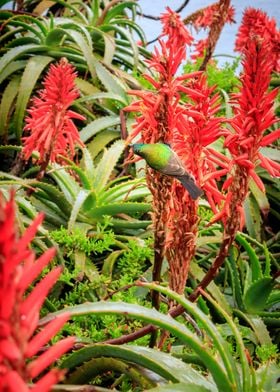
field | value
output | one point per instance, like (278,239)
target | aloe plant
(88,198)
(211,348)
(94,40)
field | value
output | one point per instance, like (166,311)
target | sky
(226,42)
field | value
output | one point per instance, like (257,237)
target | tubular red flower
(19,315)
(48,380)
(256,23)
(45,359)
(253,114)
(52,131)
(45,335)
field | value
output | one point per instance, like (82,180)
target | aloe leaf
(235,280)
(34,67)
(7,101)
(86,88)
(252,217)
(220,344)
(107,164)
(14,66)
(100,141)
(127,36)
(102,95)
(65,181)
(260,197)
(268,377)
(130,25)
(53,195)
(110,82)
(14,53)
(181,387)
(198,273)
(54,37)
(257,324)
(118,208)
(17,21)
(98,125)
(22,41)
(41,26)
(86,50)
(83,178)
(267,261)
(125,191)
(256,296)
(110,47)
(271,153)
(53,215)
(152,316)
(87,164)
(254,260)
(98,366)
(247,372)
(118,10)
(134,224)
(70,25)
(75,10)
(170,368)
(109,262)
(274,298)
(209,239)
(80,199)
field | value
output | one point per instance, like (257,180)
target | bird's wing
(174,167)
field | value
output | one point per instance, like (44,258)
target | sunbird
(161,157)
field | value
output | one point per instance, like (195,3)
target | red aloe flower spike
(245,143)
(45,335)
(205,17)
(19,315)
(32,271)
(256,23)
(12,382)
(159,112)
(213,17)
(44,360)
(52,131)
(190,128)
(48,380)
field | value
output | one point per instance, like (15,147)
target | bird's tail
(188,183)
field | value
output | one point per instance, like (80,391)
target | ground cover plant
(112,277)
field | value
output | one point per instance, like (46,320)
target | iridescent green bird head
(156,155)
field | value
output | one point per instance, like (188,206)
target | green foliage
(132,262)
(266,352)
(223,377)
(224,78)
(77,241)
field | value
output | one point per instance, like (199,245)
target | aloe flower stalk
(159,108)
(50,127)
(189,128)
(196,129)
(20,308)
(253,115)
(212,17)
